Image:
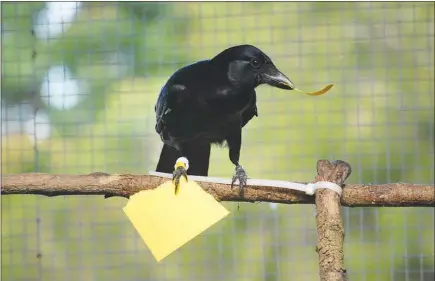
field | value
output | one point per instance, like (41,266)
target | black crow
(209,102)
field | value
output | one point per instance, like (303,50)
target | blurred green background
(79,83)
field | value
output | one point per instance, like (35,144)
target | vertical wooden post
(330,231)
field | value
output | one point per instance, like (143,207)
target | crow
(209,102)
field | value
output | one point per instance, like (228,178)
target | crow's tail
(198,155)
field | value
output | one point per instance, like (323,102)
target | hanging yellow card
(166,221)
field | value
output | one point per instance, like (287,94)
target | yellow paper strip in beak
(317,93)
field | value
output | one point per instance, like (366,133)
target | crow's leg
(234,141)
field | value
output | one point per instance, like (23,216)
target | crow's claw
(242,177)
(180,171)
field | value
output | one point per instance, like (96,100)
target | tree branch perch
(330,231)
(354,195)
(328,202)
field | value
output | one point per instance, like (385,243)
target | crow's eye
(256,63)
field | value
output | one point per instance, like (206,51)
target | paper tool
(166,220)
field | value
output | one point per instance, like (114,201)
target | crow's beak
(275,78)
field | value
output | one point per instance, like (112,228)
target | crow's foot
(242,177)
(181,167)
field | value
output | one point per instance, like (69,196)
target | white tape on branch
(309,189)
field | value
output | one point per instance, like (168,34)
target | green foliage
(378,117)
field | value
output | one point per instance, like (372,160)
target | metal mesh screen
(79,83)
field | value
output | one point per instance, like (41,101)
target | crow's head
(247,65)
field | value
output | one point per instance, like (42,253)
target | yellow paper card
(166,220)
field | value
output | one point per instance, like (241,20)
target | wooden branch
(329,222)
(354,195)
(330,231)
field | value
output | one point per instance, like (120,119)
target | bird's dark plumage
(210,102)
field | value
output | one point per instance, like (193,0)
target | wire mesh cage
(79,84)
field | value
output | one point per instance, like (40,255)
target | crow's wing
(171,98)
